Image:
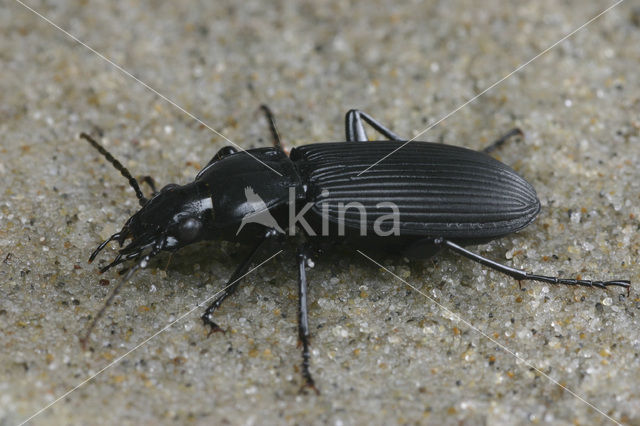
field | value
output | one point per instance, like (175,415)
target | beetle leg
(498,143)
(523,275)
(303,319)
(231,286)
(354,128)
(274,130)
(151,182)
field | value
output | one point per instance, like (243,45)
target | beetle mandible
(440,196)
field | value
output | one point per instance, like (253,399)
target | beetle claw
(309,385)
(213,327)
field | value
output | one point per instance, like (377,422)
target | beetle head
(175,217)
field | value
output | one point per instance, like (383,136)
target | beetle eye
(189,229)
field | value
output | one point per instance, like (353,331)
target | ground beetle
(426,196)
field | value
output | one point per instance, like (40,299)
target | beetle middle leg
(521,275)
(354,127)
(303,319)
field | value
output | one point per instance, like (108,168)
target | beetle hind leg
(521,275)
(354,127)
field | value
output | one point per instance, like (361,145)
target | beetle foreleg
(354,127)
(232,285)
(523,275)
(303,319)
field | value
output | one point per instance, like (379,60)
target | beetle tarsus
(523,275)
(213,327)
(309,384)
(584,283)
(499,142)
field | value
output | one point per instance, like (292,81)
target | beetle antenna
(122,169)
(107,303)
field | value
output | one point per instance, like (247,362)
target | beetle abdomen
(439,190)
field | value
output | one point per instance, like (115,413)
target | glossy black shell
(227,179)
(440,190)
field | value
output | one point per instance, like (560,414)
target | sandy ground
(383,353)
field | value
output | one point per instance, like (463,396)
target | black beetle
(419,200)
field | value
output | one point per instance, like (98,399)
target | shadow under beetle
(446,197)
